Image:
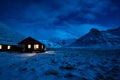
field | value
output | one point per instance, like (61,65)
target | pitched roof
(29,40)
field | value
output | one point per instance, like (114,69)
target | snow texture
(96,38)
(50,44)
(65,64)
(57,43)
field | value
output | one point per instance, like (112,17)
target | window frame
(8,47)
(29,46)
(0,46)
(36,46)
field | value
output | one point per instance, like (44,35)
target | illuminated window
(42,46)
(8,47)
(36,46)
(0,46)
(29,46)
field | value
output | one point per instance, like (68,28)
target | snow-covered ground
(67,64)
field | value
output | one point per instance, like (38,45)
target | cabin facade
(10,48)
(31,45)
(27,45)
(8,45)
(4,47)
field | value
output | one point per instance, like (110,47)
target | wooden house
(26,45)
(9,46)
(31,45)
(11,41)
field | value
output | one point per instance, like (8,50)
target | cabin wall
(13,48)
(23,46)
(40,49)
(32,42)
(4,48)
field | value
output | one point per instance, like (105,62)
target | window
(0,46)
(8,47)
(36,46)
(42,46)
(29,46)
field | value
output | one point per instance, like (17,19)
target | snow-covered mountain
(50,44)
(63,42)
(57,43)
(8,36)
(96,38)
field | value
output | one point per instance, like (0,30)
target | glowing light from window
(8,47)
(0,46)
(36,46)
(42,46)
(29,46)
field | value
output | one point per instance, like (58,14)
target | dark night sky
(44,19)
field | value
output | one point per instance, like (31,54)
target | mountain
(63,42)
(96,38)
(115,31)
(50,44)
(8,36)
(57,43)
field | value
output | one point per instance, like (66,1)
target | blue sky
(44,19)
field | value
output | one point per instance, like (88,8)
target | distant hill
(8,36)
(57,43)
(50,44)
(115,31)
(96,38)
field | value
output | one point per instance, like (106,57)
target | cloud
(41,18)
(45,12)
(68,32)
(59,12)
(82,29)
(42,34)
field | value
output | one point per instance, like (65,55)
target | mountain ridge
(115,31)
(96,38)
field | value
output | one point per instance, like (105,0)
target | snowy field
(65,64)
